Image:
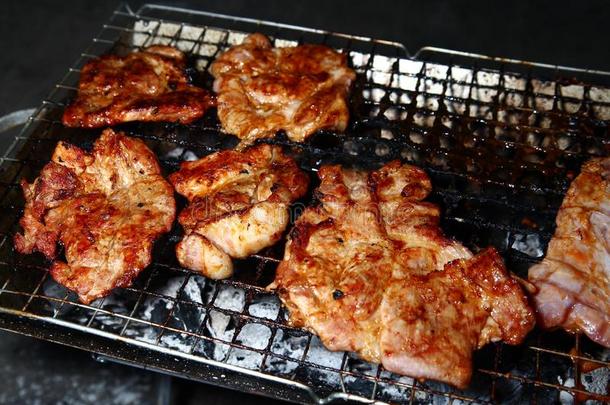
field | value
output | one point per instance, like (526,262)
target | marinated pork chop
(262,89)
(106,207)
(369,271)
(238,204)
(150,85)
(573,280)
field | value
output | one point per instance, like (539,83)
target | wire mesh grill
(500,142)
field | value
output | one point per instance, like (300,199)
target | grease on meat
(262,89)
(369,271)
(573,280)
(106,207)
(150,85)
(238,204)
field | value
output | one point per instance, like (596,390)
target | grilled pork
(370,271)
(238,204)
(150,85)
(573,280)
(262,89)
(106,207)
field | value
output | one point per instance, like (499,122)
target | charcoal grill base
(500,140)
(128,353)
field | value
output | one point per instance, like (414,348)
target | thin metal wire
(137,304)
(424,100)
(171,311)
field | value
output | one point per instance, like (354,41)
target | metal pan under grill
(500,139)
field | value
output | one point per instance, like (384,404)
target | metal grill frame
(22,278)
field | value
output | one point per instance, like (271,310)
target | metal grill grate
(500,140)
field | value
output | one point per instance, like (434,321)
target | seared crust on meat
(150,85)
(573,280)
(433,322)
(106,207)
(370,271)
(262,89)
(238,204)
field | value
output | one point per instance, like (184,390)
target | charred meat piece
(238,204)
(370,271)
(106,207)
(262,89)
(150,85)
(433,322)
(573,280)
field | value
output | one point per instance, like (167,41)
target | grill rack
(500,140)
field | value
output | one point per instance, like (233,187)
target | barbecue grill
(501,140)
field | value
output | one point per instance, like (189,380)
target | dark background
(40,39)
